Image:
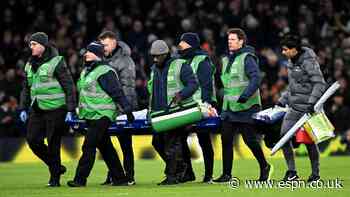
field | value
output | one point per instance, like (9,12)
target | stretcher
(142,126)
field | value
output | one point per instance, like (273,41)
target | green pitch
(29,179)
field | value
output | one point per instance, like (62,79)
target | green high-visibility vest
(94,102)
(235,81)
(174,83)
(44,87)
(196,60)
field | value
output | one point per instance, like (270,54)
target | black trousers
(125,141)
(169,147)
(248,132)
(48,124)
(97,137)
(207,149)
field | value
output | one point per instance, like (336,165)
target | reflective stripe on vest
(44,87)
(235,81)
(98,106)
(94,102)
(174,83)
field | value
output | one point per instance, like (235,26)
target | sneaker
(131,182)
(223,179)
(169,181)
(266,173)
(291,175)
(208,179)
(75,184)
(313,178)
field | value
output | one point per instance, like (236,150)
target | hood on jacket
(307,53)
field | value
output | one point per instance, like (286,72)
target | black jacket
(61,73)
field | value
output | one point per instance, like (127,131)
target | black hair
(291,41)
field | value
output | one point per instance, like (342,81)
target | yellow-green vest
(94,102)
(235,81)
(44,87)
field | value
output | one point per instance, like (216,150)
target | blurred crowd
(324,25)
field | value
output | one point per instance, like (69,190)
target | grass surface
(29,179)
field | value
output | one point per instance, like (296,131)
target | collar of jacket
(122,49)
(49,53)
(245,48)
(93,64)
(193,52)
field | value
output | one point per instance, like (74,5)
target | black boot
(266,173)
(313,178)
(75,184)
(120,183)
(54,178)
(54,181)
(169,181)
(189,176)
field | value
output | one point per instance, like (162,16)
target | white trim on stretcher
(174,115)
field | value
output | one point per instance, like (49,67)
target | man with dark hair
(240,34)
(117,54)
(172,80)
(241,79)
(48,93)
(306,86)
(189,49)
(100,93)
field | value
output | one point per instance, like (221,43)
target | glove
(130,117)
(69,117)
(177,98)
(23,116)
(242,99)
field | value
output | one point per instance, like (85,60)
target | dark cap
(96,48)
(40,37)
(191,38)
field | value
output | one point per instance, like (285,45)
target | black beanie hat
(191,39)
(40,37)
(96,48)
